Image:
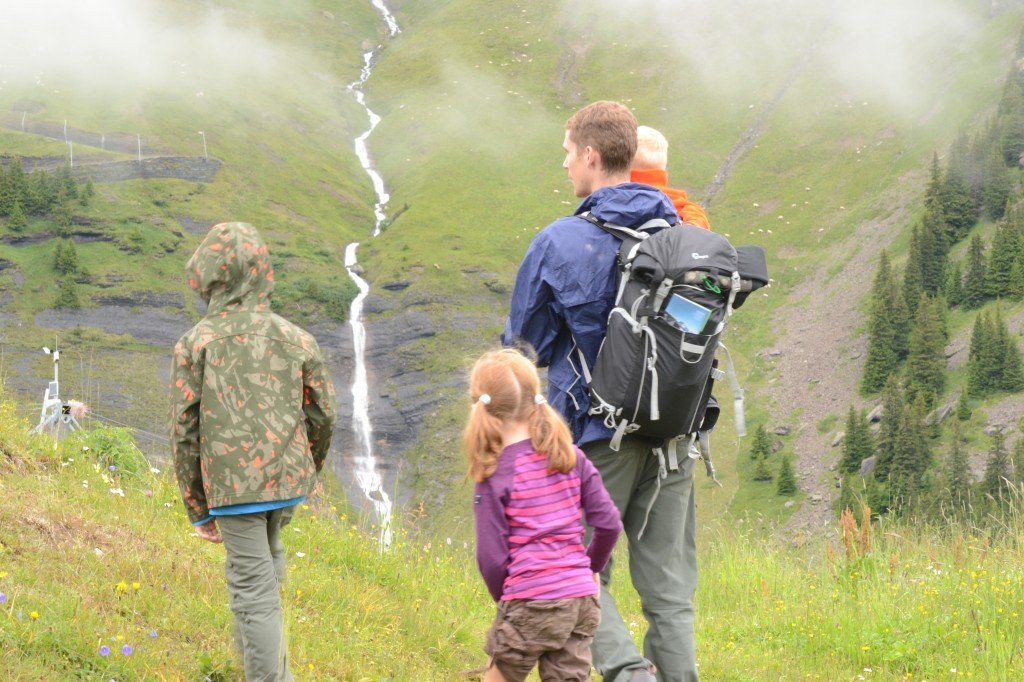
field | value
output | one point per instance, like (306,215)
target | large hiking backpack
(678,285)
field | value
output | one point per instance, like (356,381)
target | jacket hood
(629,204)
(231,269)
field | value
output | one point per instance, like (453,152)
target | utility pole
(139,138)
(23,115)
(103,141)
(206,157)
(71,154)
(65,130)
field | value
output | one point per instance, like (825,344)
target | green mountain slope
(809,128)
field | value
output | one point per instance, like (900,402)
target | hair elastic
(539,399)
(484,398)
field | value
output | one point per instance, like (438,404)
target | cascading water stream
(366,474)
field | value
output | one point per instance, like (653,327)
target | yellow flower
(3,574)
(136,586)
(34,615)
(122,587)
(311,667)
(865,648)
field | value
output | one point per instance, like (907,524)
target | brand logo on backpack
(697,256)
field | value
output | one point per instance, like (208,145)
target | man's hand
(208,531)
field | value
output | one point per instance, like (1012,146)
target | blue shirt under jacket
(565,289)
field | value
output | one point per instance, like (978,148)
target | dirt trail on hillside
(749,138)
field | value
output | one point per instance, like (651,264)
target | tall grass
(102,578)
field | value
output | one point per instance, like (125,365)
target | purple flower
(3,598)
(112,468)
(104,650)
(126,649)
(152,634)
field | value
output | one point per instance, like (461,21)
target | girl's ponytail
(551,436)
(482,440)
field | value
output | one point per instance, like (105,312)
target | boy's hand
(208,531)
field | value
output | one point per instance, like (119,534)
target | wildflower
(104,650)
(152,634)
(136,586)
(117,491)
(97,551)
(300,554)
(126,649)
(34,615)
(3,598)
(111,468)
(154,470)
(121,587)
(3,574)
(149,493)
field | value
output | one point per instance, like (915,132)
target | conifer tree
(67,295)
(851,493)
(997,186)
(983,358)
(963,407)
(1015,287)
(954,288)
(761,447)
(934,252)
(957,205)
(1010,374)
(997,468)
(17,221)
(912,455)
(913,277)
(892,409)
(761,470)
(65,257)
(975,289)
(926,364)
(887,336)
(857,445)
(999,268)
(787,479)
(958,470)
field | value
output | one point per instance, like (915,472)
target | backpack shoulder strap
(635,234)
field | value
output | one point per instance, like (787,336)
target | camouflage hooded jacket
(252,407)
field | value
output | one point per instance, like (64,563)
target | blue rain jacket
(565,289)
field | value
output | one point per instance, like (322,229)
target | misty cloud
(880,48)
(120,44)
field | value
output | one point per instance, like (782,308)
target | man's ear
(592,156)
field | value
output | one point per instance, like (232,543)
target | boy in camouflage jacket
(252,417)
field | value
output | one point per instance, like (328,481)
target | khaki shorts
(552,633)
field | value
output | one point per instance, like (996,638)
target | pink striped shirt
(530,527)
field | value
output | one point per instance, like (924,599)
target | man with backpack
(564,291)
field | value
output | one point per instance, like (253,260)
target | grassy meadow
(101,577)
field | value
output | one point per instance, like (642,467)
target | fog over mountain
(127,44)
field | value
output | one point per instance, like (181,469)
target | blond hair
(504,386)
(651,149)
(610,129)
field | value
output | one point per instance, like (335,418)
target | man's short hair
(608,127)
(651,149)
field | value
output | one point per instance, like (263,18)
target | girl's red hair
(512,384)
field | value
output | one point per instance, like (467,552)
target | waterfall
(367,476)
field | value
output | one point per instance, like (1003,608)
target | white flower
(154,470)
(300,554)
(117,491)
(98,551)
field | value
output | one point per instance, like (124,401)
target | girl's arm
(601,514)
(491,536)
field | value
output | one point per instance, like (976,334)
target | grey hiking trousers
(662,564)
(255,571)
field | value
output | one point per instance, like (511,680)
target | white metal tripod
(55,414)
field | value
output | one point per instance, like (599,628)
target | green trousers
(662,564)
(255,572)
